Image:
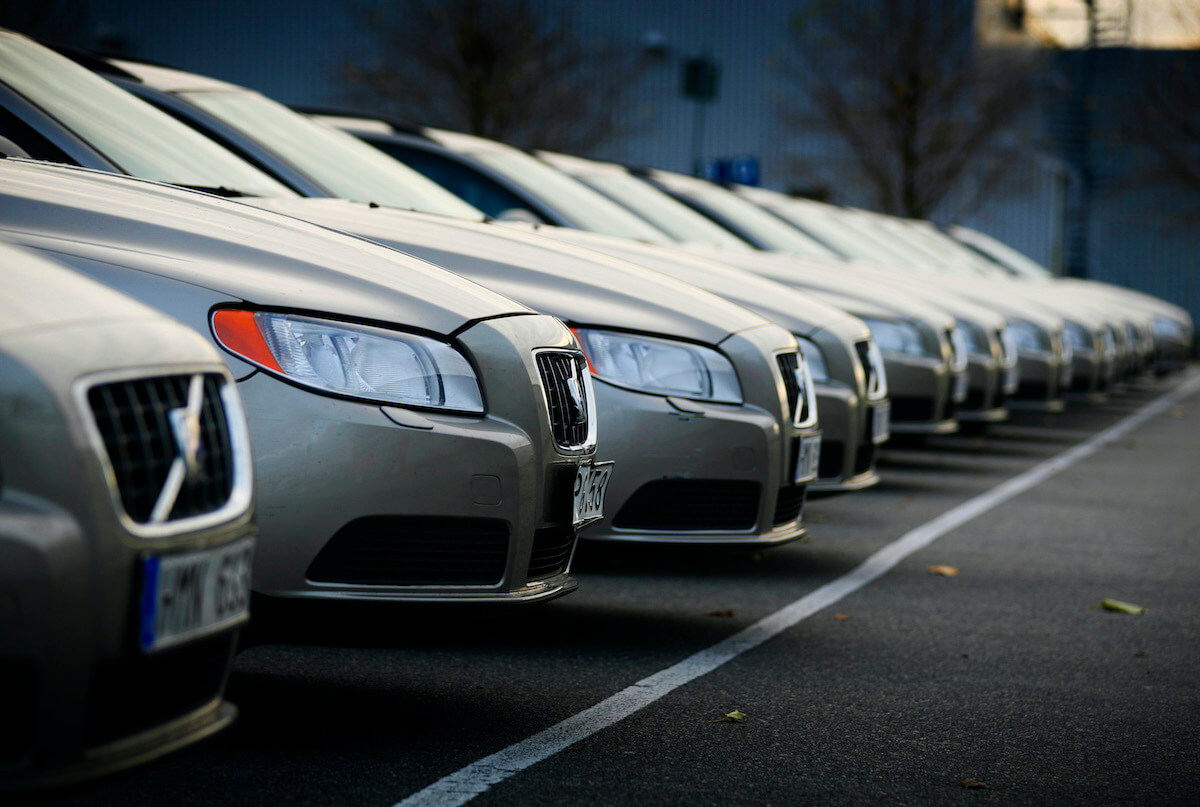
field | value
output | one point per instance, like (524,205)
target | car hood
(861,297)
(580,286)
(787,306)
(252,255)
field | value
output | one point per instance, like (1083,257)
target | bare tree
(916,102)
(497,69)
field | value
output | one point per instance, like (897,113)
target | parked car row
(244,350)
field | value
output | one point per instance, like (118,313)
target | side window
(463,181)
(28,138)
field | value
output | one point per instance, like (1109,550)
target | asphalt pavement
(980,669)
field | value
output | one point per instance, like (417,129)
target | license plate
(194,593)
(960,387)
(590,483)
(809,459)
(881,423)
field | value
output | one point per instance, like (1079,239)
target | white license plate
(809,459)
(881,424)
(960,387)
(591,481)
(194,593)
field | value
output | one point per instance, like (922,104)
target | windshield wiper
(219,190)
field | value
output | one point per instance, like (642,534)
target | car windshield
(589,209)
(339,162)
(669,215)
(1005,256)
(132,135)
(763,227)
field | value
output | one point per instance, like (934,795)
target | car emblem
(802,393)
(578,407)
(185,427)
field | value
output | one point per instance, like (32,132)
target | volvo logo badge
(185,428)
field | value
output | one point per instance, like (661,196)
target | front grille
(18,702)
(146,691)
(414,551)
(910,408)
(976,398)
(872,369)
(789,367)
(566,397)
(134,419)
(789,504)
(830,466)
(551,553)
(691,504)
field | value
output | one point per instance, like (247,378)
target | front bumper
(848,451)
(986,400)
(1040,388)
(371,503)
(921,393)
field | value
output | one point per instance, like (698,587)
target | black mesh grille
(789,504)
(147,691)
(413,551)
(568,408)
(863,349)
(789,363)
(691,504)
(134,421)
(551,553)
(908,408)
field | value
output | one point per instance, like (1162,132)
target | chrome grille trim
(873,368)
(173,446)
(801,391)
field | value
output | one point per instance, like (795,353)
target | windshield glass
(1005,256)
(763,227)
(132,135)
(339,162)
(669,215)
(587,208)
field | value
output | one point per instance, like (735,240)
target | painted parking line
(469,782)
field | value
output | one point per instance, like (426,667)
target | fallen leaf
(840,616)
(944,571)
(721,613)
(731,717)
(1141,654)
(1122,607)
(973,784)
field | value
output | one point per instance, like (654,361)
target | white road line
(467,783)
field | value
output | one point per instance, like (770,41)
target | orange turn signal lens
(238,332)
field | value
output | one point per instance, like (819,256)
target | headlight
(1029,338)
(1167,328)
(660,366)
(358,361)
(816,359)
(973,339)
(1078,338)
(894,336)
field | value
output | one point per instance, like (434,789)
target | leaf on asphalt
(731,717)
(1122,607)
(973,784)
(721,613)
(841,616)
(944,571)
(1141,654)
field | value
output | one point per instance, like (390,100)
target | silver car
(416,436)
(126,529)
(705,405)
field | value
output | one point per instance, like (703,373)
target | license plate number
(809,459)
(591,481)
(194,593)
(881,423)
